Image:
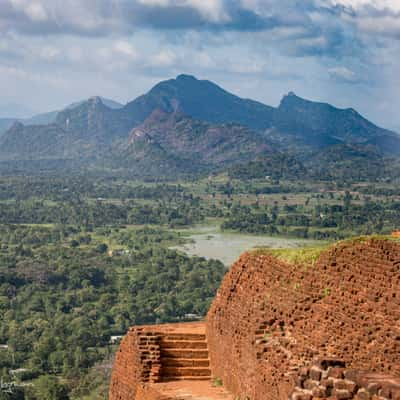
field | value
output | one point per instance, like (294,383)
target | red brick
(341,394)
(315,374)
(363,394)
(320,392)
(346,385)
(336,373)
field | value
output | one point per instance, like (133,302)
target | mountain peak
(186,77)
(95,100)
(201,99)
(291,98)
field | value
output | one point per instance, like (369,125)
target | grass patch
(363,239)
(217,382)
(309,255)
(305,255)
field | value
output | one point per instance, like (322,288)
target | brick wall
(137,361)
(270,318)
(126,375)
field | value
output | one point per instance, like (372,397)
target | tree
(48,388)
(74,243)
(102,248)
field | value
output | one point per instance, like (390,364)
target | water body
(209,242)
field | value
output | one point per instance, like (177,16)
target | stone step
(182,344)
(185,378)
(185,371)
(184,336)
(150,356)
(184,353)
(148,338)
(185,362)
(149,347)
(144,342)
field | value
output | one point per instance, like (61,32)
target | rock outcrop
(329,378)
(328,329)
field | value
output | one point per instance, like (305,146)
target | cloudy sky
(346,52)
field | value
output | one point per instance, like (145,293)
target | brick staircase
(184,356)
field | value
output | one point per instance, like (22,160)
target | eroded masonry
(328,329)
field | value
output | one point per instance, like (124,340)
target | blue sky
(346,52)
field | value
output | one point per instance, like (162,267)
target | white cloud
(204,60)
(164,58)
(49,52)
(342,73)
(388,25)
(119,55)
(36,12)
(124,48)
(379,19)
(155,3)
(377,4)
(31,77)
(213,10)
(74,54)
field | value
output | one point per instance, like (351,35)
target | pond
(210,242)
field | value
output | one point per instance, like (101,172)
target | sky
(345,52)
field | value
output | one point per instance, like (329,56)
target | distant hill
(50,117)
(190,144)
(321,125)
(80,131)
(349,161)
(203,100)
(33,142)
(188,124)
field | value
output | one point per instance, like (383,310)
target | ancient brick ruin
(328,329)
(160,353)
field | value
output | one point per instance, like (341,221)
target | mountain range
(190,125)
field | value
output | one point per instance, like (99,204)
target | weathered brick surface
(349,384)
(127,371)
(271,318)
